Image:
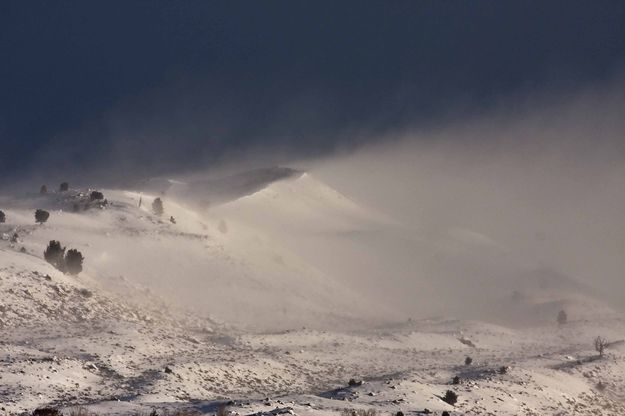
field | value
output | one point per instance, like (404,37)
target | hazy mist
(467,210)
(525,198)
(540,183)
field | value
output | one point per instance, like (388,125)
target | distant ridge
(241,184)
(215,191)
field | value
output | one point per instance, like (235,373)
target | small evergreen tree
(450,397)
(562,318)
(73,262)
(3,217)
(41,216)
(43,189)
(54,254)
(64,187)
(157,207)
(600,345)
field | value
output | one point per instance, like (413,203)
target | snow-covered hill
(419,271)
(283,250)
(218,267)
(205,306)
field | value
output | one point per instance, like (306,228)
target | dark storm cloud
(155,84)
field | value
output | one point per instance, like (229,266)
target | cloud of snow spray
(528,200)
(508,216)
(520,205)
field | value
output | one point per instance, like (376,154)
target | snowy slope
(209,310)
(301,202)
(288,250)
(225,269)
(423,271)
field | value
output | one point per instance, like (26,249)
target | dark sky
(157,82)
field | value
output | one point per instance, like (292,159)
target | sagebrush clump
(41,216)
(3,217)
(157,207)
(55,254)
(70,262)
(96,196)
(73,262)
(47,411)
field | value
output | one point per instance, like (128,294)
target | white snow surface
(220,308)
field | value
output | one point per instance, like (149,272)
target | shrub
(41,216)
(600,345)
(157,207)
(562,318)
(96,196)
(468,361)
(455,380)
(73,262)
(450,397)
(503,369)
(3,217)
(64,187)
(43,189)
(354,383)
(47,411)
(70,262)
(466,342)
(54,254)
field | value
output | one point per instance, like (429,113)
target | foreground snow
(134,365)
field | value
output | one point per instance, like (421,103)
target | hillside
(264,302)
(287,250)
(221,268)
